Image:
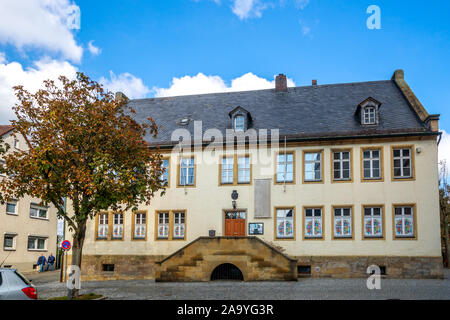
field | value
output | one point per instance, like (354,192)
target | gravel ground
(307,288)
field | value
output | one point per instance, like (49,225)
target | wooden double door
(235,222)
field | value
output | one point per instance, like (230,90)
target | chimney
(121,96)
(280,83)
(314,82)
(433,122)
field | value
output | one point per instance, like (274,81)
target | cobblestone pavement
(307,288)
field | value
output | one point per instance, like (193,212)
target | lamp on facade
(234,196)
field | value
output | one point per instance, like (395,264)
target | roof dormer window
(367,112)
(239,123)
(369,116)
(240,119)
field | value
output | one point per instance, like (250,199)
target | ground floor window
(171,225)
(373,222)
(140,225)
(163,225)
(404,221)
(178,225)
(102,231)
(313,223)
(285,223)
(118,226)
(343,222)
(37,243)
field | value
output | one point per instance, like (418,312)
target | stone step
(258,259)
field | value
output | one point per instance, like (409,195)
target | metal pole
(61,266)
(69,292)
(65,267)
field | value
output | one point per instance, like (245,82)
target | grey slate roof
(309,111)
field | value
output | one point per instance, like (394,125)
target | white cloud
(201,83)
(93,49)
(245,9)
(13,73)
(43,24)
(305,30)
(127,83)
(248,8)
(301,4)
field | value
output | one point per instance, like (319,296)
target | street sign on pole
(65,245)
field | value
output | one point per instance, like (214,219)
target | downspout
(440,137)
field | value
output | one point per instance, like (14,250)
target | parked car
(14,286)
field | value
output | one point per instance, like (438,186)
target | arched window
(227,271)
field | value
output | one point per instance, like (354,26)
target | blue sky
(156,48)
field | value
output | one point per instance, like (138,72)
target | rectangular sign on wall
(262,198)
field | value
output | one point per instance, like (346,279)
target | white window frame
(13,247)
(38,212)
(402,217)
(401,158)
(140,219)
(313,162)
(239,126)
(16,143)
(227,171)
(15,203)
(313,219)
(163,222)
(284,220)
(341,162)
(286,165)
(372,217)
(186,164)
(371,159)
(341,219)
(117,226)
(102,228)
(36,242)
(370,115)
(179,225)
(244,169)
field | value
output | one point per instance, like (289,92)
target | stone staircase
(256,259)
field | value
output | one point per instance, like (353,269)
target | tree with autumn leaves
(444,208)
(85,147)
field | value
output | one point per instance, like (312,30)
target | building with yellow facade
(320,180)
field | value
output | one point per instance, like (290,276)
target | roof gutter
(303,139)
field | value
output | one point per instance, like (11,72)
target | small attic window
(239,123)
(240,119)
(370,115)
(368,112)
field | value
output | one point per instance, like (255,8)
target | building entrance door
(235,223)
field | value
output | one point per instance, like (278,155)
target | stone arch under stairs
(256,259)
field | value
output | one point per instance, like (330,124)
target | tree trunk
(77,250)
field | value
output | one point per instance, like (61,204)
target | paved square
(307,288)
